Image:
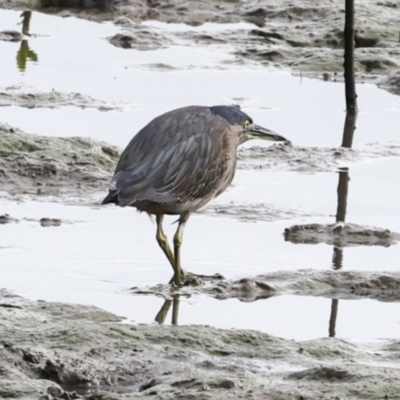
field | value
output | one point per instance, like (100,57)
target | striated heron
(179,162)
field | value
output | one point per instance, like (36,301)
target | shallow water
(105,251)
(287,316)
(108,250)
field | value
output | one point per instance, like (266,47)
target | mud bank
(45,221)
(43,166)
(70,168)
(72,351)
(331,284)
(253,212)
(288,157)
(341,235)
(32,98)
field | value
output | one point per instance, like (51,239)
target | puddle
(289,317)
(110,250)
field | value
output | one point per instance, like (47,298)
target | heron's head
(247,129)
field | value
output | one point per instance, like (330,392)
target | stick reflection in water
(342,192)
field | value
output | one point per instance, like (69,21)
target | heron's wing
(175,159)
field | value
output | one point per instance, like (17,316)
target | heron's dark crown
(231,114)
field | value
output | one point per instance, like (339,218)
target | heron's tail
(112,197)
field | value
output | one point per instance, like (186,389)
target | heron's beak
(258,132)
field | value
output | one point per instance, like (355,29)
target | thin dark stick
(351,96)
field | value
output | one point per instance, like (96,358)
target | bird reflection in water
(25,53)
(162,314)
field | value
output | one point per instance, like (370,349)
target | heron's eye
(246,124)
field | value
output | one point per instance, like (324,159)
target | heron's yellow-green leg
(177,249)
(163,241)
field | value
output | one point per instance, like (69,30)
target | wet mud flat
(30,98)
(54,350)
(73,351)
(63,167)
(46,165)
(381,286)
(304,38)
(58,350)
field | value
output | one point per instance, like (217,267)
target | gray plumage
(181,160)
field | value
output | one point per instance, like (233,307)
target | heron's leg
(177,248)
(163,241)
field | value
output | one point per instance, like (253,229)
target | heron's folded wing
(189,170)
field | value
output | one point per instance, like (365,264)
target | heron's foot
(191,279)
(177,279)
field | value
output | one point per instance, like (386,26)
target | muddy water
(97,254)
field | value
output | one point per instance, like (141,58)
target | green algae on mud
(68,347)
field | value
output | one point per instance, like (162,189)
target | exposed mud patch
(140,39)
(288,157)
(49,347)
(248,212)
(391,83)
(32,98)
(46,166)
(156,67)
(100,5)
(7,219)
(341,235)
(338,284)
(10,36)
(45,221)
